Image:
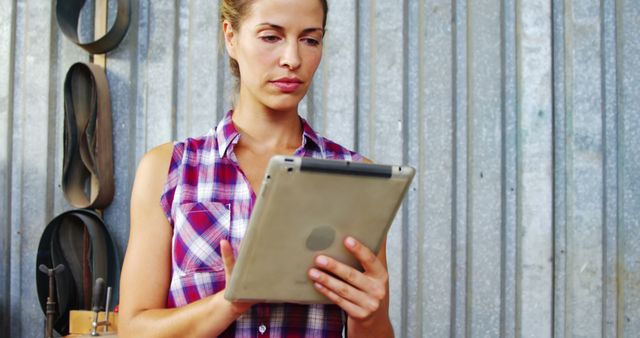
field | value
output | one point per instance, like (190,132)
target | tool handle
(98,295)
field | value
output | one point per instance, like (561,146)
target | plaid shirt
(207,198)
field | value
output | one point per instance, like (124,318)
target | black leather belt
(87,170)
(79,240)
(68,14)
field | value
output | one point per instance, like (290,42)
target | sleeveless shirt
(207,198)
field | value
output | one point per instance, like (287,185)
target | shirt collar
(228,135)
(308,134)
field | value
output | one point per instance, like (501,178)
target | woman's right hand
(229,262)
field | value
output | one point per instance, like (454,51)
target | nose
(291,56)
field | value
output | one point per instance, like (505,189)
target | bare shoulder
(161,152)
(155,160)
(148,186)
(151,174)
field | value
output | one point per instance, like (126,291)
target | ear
(229,38)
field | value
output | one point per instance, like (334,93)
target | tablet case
(307,207)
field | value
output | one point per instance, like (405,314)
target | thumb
(227,258)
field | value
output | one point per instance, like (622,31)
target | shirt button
(262,329)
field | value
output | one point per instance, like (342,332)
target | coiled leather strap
(79,240)
(87,170)
(68,14)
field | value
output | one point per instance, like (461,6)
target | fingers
(360,294)
(366,257)
(226,251)
(227,257)
(355,302)
(346,273)
(350,283)
(352,309)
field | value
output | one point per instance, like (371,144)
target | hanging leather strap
(87,170)
(68,15)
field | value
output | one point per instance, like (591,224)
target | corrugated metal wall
(522,118)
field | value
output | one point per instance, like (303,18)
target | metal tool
(98,296)
(51,299)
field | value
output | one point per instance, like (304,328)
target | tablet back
(307,207)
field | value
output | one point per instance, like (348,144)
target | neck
(266,130)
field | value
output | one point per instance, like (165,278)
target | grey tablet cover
(307,207)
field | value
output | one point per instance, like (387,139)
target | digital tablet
(307,207)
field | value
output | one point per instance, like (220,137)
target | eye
(270,38)
(311,41)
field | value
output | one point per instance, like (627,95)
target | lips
(287,84)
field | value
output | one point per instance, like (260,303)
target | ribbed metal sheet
(521,117)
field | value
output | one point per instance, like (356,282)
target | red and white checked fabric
(207,198)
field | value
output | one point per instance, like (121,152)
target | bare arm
(146,272)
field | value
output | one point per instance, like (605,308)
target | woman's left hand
(359,294)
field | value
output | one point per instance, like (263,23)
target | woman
(187,225)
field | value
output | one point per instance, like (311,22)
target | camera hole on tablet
(321,238)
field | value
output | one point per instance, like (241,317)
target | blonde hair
(234,11)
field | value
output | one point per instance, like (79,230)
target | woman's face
(278,48)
